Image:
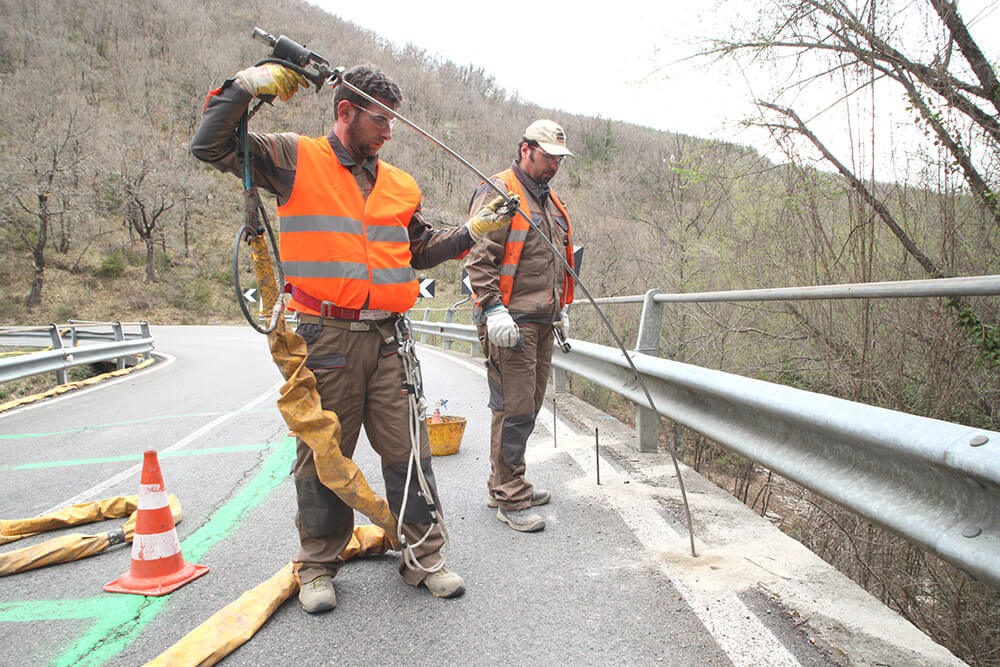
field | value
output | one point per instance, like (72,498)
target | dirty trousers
(359,376)
(517,379)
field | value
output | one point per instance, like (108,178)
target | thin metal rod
(597,453)
(338,79)
(555,444)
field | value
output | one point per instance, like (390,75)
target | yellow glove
(271,79)
(494,215)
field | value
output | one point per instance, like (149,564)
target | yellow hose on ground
(67,548)
(300,406)
(234,625)
(74,515)
(69,386)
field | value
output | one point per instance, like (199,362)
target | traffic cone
(157,564)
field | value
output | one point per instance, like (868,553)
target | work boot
(444,584)
(524,520)
(538,497)
(318,595)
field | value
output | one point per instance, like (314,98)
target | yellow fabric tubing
(299,404)
(70,386)
(67,548)
(234,625)
(74,515)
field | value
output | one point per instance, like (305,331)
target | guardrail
(121,345)
(934,482)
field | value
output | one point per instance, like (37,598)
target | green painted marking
(56,610)
(121,618)
(138,457)
(129,422)
(111,634)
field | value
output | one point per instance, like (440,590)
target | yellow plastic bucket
(446,436)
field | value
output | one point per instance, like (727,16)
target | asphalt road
(607,581)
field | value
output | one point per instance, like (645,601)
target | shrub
(112,266)
(64,312)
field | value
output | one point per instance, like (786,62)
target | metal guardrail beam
(934,482)
(940,287)
(60,358)
(446,329)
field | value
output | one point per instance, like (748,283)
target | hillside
(102,99)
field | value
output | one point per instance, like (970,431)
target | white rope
(417,411)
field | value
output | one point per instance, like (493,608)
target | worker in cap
(521,292)
(343,212)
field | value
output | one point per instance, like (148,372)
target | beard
(359,143)
(542,174)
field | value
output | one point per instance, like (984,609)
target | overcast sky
(623,60)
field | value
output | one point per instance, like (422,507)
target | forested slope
(105,215)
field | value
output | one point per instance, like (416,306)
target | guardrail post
(119,332)
(57,345)
(648,342)
(449,317)
(558,374)
(427,312)
(144,328)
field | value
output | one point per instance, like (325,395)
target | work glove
(271,80)
(500,327)
(494,215)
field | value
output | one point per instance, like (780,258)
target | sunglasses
(381,120)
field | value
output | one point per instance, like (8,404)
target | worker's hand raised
(495,215)
(270,80)
(500,327)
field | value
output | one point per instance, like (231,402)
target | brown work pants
(517,379)
(359,376)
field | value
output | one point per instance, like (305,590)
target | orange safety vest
(516,235)
(339,247)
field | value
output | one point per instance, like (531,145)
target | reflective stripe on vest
(519,233)
(338,246)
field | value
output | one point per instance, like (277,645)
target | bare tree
(956,97)
(41,159)
(950,85)
(146,200)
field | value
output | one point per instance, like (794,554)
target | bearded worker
(352,235)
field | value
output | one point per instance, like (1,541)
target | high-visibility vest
(516,235)
(339,247)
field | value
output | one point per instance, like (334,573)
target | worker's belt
(350,325)
(327,309)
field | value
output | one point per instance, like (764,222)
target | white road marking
(738,631)
(183,442)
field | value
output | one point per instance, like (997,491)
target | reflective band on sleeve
(150,499)
(325,270)
(393,276)
(320,223)
(508,269)
(517,235)
(388,234)
(155,546)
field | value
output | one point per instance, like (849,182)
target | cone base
(156,586)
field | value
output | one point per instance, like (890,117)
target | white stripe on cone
(152,498)
(155,546)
